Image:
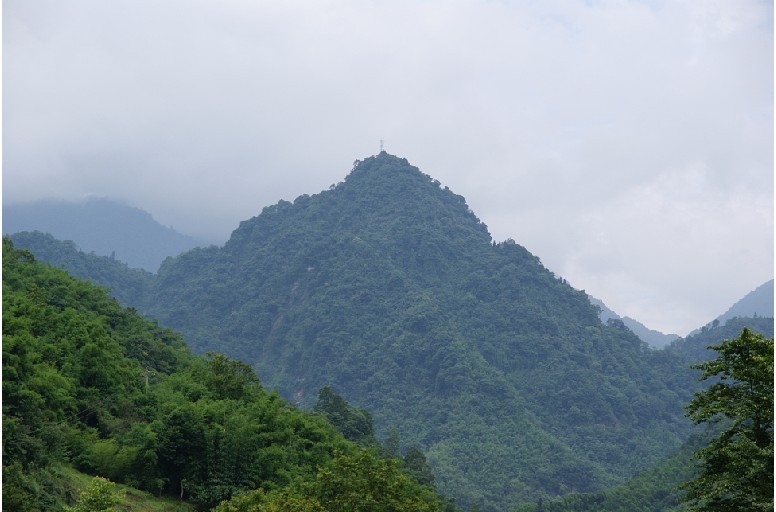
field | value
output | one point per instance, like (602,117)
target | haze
(628,144)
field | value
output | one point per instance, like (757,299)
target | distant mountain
(103,226)
(758,302)
(388,289)
(653,338)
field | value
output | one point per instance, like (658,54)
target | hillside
(128,285)
(92,386)
(657,489)
(390,290)
(104,227)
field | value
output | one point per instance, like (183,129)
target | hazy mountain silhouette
(103,226)
(758,302)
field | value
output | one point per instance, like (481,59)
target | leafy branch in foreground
(736,471)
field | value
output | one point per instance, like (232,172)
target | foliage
(101,495)
(353,482)
(694,348)
(737,466)
(655,489)
(355,424)
(89,384)
(416,463)
(129,285)
(387,288)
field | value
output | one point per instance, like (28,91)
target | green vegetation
(695,349)
(101,495)
(356,483)
(737,465)
(388,289)
(94,386)
(653,490)
(129,285)
(736,450)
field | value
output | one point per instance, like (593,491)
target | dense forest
(90,385)
(387,289)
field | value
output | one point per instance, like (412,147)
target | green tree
(364,482)
(416,463)
(358,482)
(355,424)
(736,466)
(181,439)
(227,378)
(99,496)
(392,443)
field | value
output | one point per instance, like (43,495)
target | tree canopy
(91,385)
(736,468)
(388,288)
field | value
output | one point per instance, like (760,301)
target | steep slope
(658,489)
(390,290)
(90,385)
(102,226)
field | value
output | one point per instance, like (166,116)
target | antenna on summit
(381,145)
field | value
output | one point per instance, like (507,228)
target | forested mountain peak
(389,290)
(383,197)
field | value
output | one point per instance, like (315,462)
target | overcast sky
(628,144)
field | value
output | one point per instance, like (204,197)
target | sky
(628,144)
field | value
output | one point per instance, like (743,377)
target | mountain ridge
(758,302)
(104,226)
(388,289)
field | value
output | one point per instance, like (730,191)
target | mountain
(91,386)
(651,337)
(101,226)
(389,290)
(755,304)
(656,489)
(758,302)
